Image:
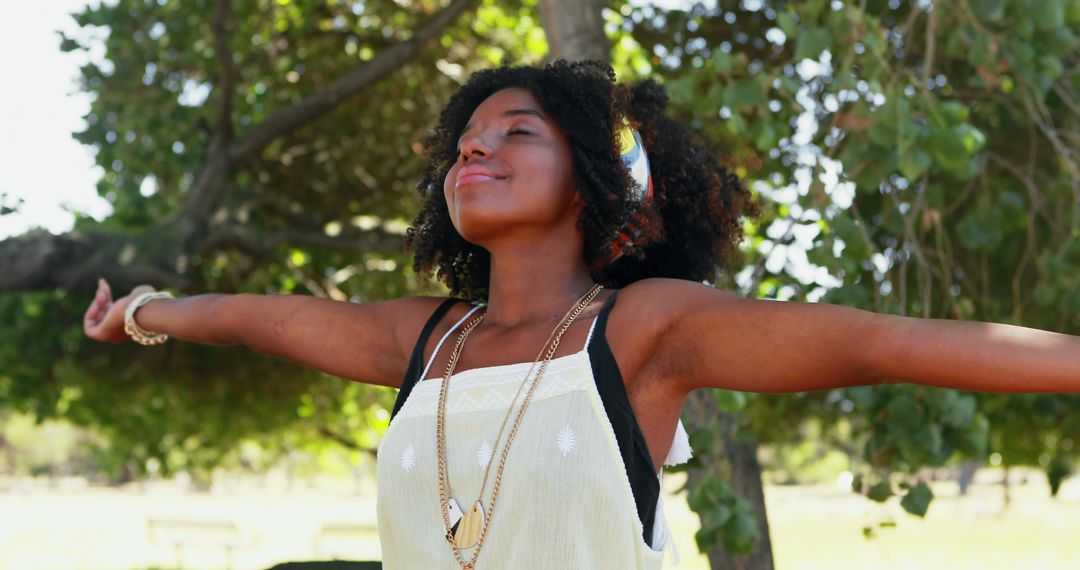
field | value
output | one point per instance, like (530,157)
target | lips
(475,173)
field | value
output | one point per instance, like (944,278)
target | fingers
(95,313)
(89,319)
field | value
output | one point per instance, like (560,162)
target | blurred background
(914,157)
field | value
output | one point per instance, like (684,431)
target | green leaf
(730,401)
(745,92)
(988,10)
(892,125)
(880,492)
(741,533)
(718,515)
(723,61)
(766,137)
(905,412)
(1046,14)
(981,230)
(1072,13)
(1046,294)
(917,500)
(960,413)
(952,147)
(1051,66)
(811,43)
(935,195)
(914,162)
(1060,42)
(971,138)
(981,51)
(862,397)
(787,22)
(681,88)
(954,111)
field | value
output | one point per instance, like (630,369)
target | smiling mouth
(471,178)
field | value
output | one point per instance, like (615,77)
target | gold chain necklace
(472,527)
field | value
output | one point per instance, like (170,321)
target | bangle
(137,333)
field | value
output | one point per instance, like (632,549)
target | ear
(577,202)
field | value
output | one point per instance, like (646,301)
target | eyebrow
(509,113)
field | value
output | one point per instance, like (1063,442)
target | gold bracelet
(137,333)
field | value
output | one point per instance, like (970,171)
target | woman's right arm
(364,342)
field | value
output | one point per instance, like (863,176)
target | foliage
(187,407)
(920,159)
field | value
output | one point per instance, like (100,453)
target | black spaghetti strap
(416,361)
(632,446)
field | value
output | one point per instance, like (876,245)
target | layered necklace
(468,529)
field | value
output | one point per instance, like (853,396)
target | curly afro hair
(689,228)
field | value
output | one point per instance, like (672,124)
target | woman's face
(514,172)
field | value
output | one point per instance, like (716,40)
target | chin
(476,228)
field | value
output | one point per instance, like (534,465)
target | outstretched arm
(715,339)
(363,342)
(970,355)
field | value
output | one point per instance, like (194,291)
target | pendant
(454,514)
(468,531)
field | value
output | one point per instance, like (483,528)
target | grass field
(254,525)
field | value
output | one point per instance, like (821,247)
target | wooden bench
(342,533)
(181,533)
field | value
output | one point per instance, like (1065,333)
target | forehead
(511,98)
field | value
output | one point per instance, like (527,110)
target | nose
(474,146)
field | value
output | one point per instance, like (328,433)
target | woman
(530,210)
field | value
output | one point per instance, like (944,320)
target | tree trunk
(738,459)
(575,29)
(966,476)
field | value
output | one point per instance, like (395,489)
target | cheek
(448,183)
(448,187)
(450,175)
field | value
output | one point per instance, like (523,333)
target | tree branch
(928,57)
(227,83)
(226,151)
(260,244)
(208,183)
(345,441)
(41,261)
(337,92)
(38,260)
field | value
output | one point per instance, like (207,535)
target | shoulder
(410,314)
(648,313)
(663,301)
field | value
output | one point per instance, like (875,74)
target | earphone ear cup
(633,155)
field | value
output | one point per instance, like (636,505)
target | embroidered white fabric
(488,391)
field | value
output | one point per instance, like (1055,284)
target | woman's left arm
(710,338)
(970,355)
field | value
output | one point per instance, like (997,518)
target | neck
(531,283)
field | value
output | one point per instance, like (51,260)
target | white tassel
(661,531)
(680,451)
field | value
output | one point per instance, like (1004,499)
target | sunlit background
(40,106)
(321,507)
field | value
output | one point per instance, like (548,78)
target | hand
(104,318)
